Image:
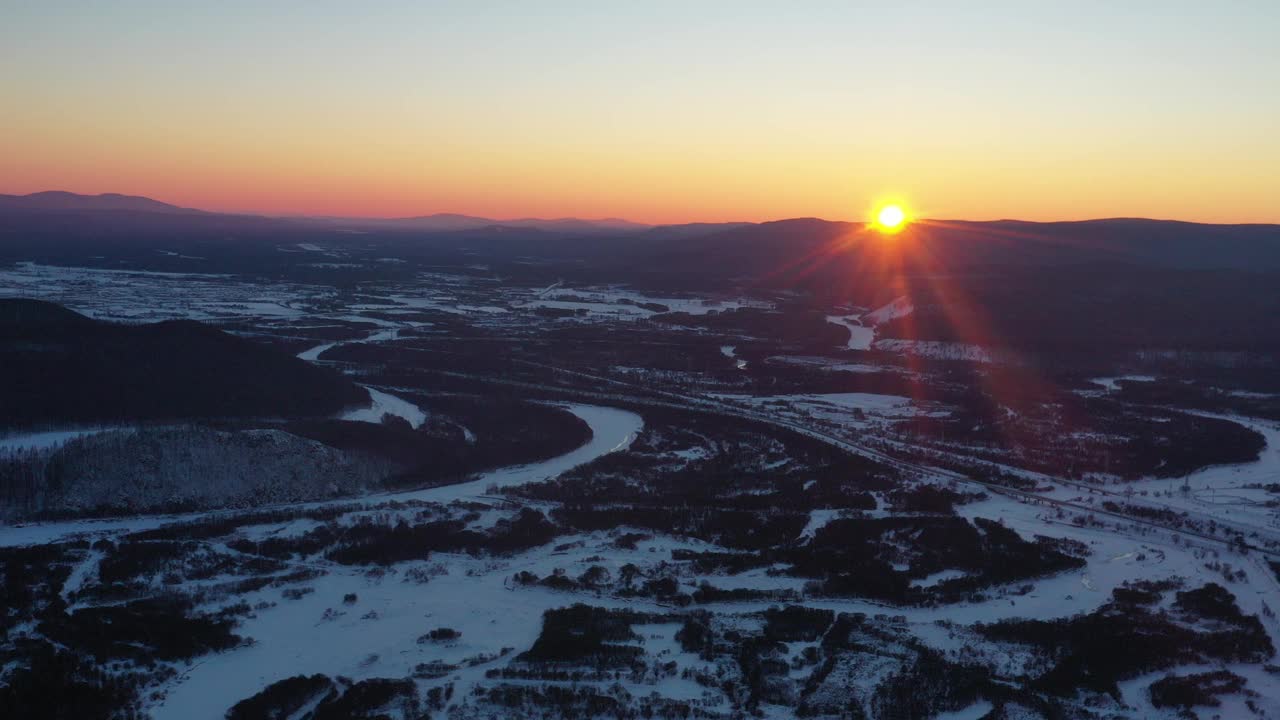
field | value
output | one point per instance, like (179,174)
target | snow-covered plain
(146,296)
(376,635)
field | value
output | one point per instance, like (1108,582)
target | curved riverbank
(611,430)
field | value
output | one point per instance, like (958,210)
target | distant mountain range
(774,249)
(57,200)
(451,222)
(791,247)
(60,201)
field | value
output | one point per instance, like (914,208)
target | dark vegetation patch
(926,498)
(232,464)
(856,557)
(795,623)
(1060,433)
(179,469)
(188,560)
(30,581)
(729,563)
(439,635)
(371,699)
(163,628)
(736,498)
(54,683)
(504,431)
(931,683)
(374,542)
(59,668)
(1200,689)
(319,697)
(585,702)
(585,635)
(1234,385)
(282,699)
(747,467)
(847,557)
(1122,640)
(707,593)
(736,529)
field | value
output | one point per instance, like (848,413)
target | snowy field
(373,620)
(842,411)
(140,296)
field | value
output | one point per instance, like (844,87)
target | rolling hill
(62,368)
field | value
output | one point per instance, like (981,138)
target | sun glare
(891,218)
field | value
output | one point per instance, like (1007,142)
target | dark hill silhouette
(802,253)
(778,250)
(689,230)
(452,222)
(20,317)
(65,201)
(1053,289)
(62,368)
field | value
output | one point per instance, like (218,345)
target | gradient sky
(654,111)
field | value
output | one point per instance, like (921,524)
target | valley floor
(755,527)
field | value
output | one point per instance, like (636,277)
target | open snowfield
(376,634)
(473,596)
(137,296)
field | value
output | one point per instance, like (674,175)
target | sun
(891,218)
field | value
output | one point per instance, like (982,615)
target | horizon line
(608,219)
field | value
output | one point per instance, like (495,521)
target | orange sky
(661,114)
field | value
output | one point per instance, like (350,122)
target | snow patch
(901,307)
(860,336)
(387,404)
